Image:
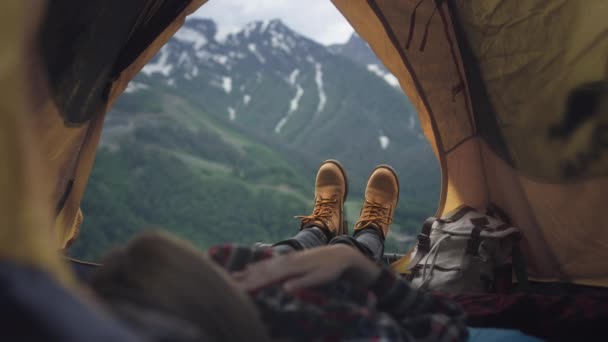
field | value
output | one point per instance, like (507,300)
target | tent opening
(218,138)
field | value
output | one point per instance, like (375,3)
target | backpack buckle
(474,241)
(424,242)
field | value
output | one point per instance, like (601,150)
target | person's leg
(368,241)
(326,220)
(306,238)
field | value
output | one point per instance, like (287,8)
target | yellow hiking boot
(381,197)
(330,193)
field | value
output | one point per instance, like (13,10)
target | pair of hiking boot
(331,188)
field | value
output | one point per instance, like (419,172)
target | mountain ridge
(269,79)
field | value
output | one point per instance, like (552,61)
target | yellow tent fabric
(26,237)
(512,95)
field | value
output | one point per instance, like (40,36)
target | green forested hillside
(201,205)
(170,166)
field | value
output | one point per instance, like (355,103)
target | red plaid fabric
(390,310)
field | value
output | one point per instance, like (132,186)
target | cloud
(319,20)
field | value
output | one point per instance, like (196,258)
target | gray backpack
(463,251)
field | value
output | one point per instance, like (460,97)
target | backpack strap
(519,268)
(518,262)
(474,241)
(424,243)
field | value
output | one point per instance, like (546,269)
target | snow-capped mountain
(278,86)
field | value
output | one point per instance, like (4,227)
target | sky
(318,20)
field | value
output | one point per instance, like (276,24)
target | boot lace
(373,213)
(323,211)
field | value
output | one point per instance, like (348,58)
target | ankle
(319,230)
(370,229)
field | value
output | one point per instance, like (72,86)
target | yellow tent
(512,95)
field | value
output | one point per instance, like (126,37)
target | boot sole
(344,228)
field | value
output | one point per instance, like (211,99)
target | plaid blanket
(389,310)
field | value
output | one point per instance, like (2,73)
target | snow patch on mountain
(319,81)
(189,35)
(236,55)
(133,87)
(249,28)
(256,26)
(192,74)
(294,76)
(254,50)
(412,123)
(227,84)
(221,59)
(278,41)
(161,65)
(387,76)
(391,79)
(384,142)
(293,106)
(184,58)
(231,114)
(264,25)
(203,55)
(280,125)
(375,68)
(191,69)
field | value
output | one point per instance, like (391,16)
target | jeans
(369,241)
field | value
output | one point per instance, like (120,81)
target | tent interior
(512,96)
